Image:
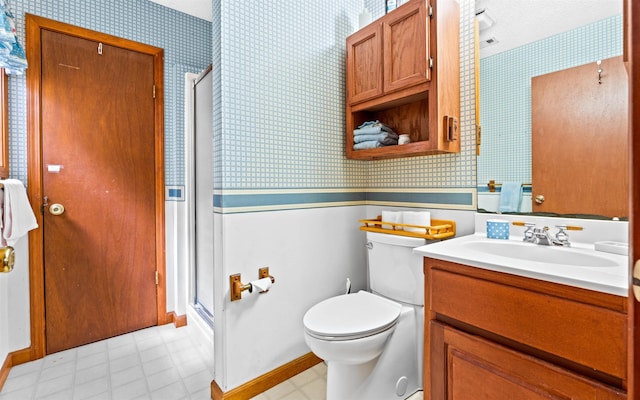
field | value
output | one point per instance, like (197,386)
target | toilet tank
(395,271)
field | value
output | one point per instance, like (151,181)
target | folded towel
(510,197)
(371,127)
(391,216)
(387,138)
(422,218)
(18,217)
(371,144)
(371,130)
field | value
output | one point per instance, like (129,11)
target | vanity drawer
(559,326)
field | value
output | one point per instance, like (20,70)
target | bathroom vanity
(499,327)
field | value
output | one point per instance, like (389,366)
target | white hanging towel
(17,216)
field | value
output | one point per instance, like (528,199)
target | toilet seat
(351,316)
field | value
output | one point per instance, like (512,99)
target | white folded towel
(422,218)
(391,216)
(17,216)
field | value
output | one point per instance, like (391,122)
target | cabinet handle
(450,128)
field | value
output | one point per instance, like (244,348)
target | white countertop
(607,279)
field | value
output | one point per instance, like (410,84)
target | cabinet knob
(540,199)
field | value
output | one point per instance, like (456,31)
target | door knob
(7,259)
(540,199)
(56,209)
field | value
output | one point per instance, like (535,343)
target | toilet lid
(351,316)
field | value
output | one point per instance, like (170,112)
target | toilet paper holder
(237,287)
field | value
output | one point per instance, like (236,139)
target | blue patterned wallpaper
(505,93)
(283,94)
(279,124)
(445,170)
(186,41)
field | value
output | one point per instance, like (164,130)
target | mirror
(520,39)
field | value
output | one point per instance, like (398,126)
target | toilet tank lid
(395,240)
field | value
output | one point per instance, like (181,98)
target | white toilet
(373,342)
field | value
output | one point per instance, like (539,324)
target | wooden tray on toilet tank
(438,230)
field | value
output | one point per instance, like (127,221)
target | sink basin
(544,254)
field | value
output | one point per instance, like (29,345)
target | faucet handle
(522,223)
(562,237)
(570,227)
(529,234)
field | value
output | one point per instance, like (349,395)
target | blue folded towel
(510,197)
(386,138)
(372,127)
(371,144)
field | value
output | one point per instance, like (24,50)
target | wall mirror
(519,40)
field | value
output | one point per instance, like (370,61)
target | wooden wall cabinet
(499,336)
(404,70)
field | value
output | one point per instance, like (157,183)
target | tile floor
(308,385)
(161,362)
(156,363)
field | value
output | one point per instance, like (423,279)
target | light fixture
(484,20)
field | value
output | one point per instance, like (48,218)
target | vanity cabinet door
(364,64)
(466,367)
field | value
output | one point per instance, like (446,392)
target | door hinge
(430,10)
(157,278)
(430,62)
(154,91)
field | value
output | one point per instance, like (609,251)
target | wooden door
(571,110)
(406,47)
(364,64)
(97,110)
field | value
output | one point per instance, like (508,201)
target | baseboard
(266,381)
(14,358)
(178,320)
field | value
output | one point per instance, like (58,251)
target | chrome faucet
(542,236)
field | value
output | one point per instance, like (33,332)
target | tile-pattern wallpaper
(445,170)
(282,95)
(279,103)
(186,41)
(505,93)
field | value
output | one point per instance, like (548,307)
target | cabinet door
(364,64)
(466,367)
(406,47)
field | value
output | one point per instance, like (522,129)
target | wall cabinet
(499,336)
(404,70)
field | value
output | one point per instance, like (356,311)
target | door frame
(34,26)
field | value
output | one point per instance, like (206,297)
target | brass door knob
(56,209)
(539,199)
(8,259)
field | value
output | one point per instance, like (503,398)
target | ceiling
(197,8)
(518,22)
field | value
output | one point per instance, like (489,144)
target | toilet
(372,342)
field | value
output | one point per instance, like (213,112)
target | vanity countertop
(612,278)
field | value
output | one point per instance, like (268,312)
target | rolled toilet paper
(422,218)
(261,285)
(391,216)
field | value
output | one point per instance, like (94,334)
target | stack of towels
(373,134)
